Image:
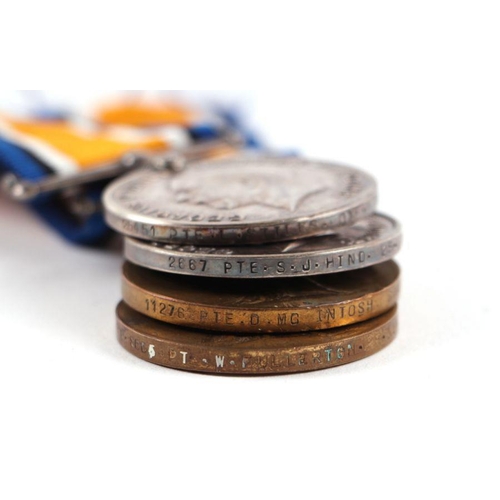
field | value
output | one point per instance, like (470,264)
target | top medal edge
(135,203)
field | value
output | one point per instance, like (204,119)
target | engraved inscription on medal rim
(365,231)
(325,351)
(299,259)
(251,361)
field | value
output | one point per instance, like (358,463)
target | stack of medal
(257,265)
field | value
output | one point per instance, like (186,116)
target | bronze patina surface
(257,306)
(188,349)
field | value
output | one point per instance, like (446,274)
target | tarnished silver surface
(370,241)
(240,201)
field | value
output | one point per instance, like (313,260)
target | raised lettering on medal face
(247,200)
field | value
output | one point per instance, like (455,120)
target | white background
(409,91)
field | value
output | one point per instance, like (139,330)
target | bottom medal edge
(257,361)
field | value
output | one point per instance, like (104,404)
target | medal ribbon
(48,145)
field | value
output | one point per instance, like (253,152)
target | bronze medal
(193,350)
(257,306)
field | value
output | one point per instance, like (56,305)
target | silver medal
(240,201)
(368,242)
